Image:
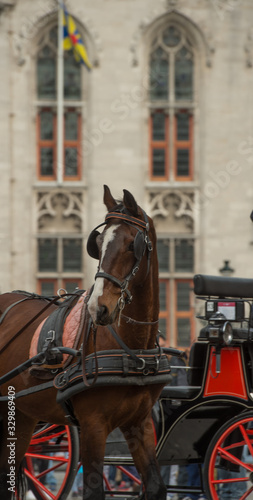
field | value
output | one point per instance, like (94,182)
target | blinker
(140,241)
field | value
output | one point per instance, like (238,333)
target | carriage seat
(221,286)
(195,373)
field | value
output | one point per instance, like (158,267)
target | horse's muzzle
(103,317)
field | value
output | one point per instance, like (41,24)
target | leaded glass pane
(163,251)
(183,75)
(72,255)
(183,296)
(163,295)
(158,122)
(46,75)
(47,288)
(71,126)
(71,162)
(158,162)
(46,125)
(183,128)
(183,162)
(53,36)
(72,77)
(47,255)
(159,75)
(46,162)
(171,36)
(184,256)
(183,332)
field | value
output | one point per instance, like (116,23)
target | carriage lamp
(220,331)
(227,333)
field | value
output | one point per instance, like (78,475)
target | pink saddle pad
(71,331)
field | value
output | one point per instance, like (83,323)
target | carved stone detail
(223,7)
(30,26)
(60,210)
(175,204)
(249,49)
(171,3)
(168,7)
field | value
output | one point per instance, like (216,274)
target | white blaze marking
(98,289)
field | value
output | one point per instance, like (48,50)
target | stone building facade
(166,112)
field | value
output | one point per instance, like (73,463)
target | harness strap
(133,321)
(23,328)
(116,281)
(128,218)
(67,407)
(11,306)
(123,285)
(39,358)
(124,346)
(31,390)
(29,322)
(85,380)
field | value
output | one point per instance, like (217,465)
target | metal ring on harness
(143,364)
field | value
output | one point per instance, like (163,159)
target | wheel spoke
(62,459)
(57,449)
(39,484)
(247,440)
(224,453)
(233,460)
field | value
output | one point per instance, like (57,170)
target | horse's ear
(109,201)
(130,203)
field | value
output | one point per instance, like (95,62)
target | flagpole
(60,97)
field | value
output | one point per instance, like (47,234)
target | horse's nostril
(102,315)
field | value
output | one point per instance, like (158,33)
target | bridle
(142,244)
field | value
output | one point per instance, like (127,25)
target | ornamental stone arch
(198,35)
(60,210)
(29,36)
(174,209)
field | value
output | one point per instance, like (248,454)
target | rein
(23,328)
(133,321)
(10,307)
(127,349)
(86,337)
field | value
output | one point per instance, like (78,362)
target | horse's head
(124,250)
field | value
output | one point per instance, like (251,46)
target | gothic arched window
(171,96)
(47,111)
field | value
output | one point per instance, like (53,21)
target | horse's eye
(131,247)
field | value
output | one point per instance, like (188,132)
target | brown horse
(125,296)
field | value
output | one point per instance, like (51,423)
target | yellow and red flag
(73,40)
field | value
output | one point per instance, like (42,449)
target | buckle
(52,338)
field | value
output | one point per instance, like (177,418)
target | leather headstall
(142,243)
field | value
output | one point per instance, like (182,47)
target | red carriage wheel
(51,461)
(228,465)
